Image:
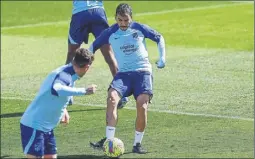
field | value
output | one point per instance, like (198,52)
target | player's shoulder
(144,28)
(68,70)
(65,74)
(139,26)
(113,28)
(65,71)
(135,24)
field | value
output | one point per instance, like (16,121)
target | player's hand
(91,89)
(65,119)
(160,63)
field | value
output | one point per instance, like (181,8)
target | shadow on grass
(72,156)
(11,115)
(92,156)
(5,156)
(19,114)
(83,156)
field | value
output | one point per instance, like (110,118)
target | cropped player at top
(90,17)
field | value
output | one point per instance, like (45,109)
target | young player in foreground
(49,106)
(134,77)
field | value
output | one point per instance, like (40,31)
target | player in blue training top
(134,77)
(49,106)
(89,17)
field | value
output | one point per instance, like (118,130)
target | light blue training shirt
(80,5)
(46,110)
(129,46)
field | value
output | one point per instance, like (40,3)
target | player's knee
(113,97)
(142,101)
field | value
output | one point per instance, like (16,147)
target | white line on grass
(136,15)
(154,110)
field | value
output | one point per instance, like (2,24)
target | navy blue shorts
(89,21)
(136,83)
(36,142)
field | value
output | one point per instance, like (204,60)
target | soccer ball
(113,147)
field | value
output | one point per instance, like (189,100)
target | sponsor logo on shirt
(128,48)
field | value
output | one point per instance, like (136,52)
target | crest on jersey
(135,36)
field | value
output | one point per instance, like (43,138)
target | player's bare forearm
(112,65)
(63,90)
(109,58)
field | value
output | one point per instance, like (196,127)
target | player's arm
(100,41)
(159,39)
(60,87)
(109,58)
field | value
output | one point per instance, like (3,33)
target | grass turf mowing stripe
(139,14)
(154,110)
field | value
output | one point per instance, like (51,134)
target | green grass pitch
(203,99)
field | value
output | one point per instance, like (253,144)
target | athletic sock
(138,137)
(110,132)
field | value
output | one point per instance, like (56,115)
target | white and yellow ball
(113,147)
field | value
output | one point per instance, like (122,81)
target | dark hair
(83,57)
(123,9)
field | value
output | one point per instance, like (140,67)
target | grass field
(203,100)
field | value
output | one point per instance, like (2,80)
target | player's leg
(142,103)
(119,87)
(32,156)
(111,117)
(32,142)
(71,51)
(50,150)
(50,156)
(78,33)
(111,112)
(143,94)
